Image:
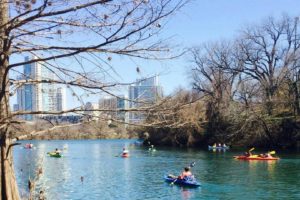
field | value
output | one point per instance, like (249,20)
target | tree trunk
(296,98)
(9,189)
(8,184)
(269,104)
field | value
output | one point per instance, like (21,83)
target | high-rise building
(113,105)
(39,96)
(90,111)
(122,103)
(143,93)
(60,99)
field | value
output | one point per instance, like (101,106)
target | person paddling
(125,152)
(151,148)
(248,153)
(57,151)
(266,155)
(186,173)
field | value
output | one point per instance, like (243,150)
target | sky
(204,21)
(200,21)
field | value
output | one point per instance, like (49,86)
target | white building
(113,104)
(61,98)
(143,93)
(91,111)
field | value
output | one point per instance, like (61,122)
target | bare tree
(269,53)
(87,32)
(211,79)
(179,123)
(208,74)
(248,92)
(257,73)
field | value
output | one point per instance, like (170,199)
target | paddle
(272,152)
(190,166)
(120,155)
(250,155)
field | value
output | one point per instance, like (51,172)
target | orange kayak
(255,158)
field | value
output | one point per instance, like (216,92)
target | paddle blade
(173,182)
(252,149)
(272,152)
(192,164)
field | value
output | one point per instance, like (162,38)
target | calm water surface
(107,176)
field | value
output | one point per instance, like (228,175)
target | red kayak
(255,157)
(125,155)
(28,146)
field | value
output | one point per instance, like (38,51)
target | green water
(107,176)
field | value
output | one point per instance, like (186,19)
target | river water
(105,175)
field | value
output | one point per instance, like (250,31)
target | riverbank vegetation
(65,131)
(245,91)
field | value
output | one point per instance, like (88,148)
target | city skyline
(51,97)
(195,24)
(41,96)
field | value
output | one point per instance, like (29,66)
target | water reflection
(271,164)
(185,194)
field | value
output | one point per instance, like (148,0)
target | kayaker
(28,146)
(151,148)
(214,145)
(57,151)
(125,151)
(224,145)
(186,173)
(248,154)
(266,155)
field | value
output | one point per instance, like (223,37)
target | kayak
(182,182)
(219,148)
(53,154)
(28,146)
(151,149)
(138,143)
(125,155)
(255,157)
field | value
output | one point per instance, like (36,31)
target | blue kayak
(182,182)
(220,148)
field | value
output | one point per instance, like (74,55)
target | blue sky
(198,22)
(205,21)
